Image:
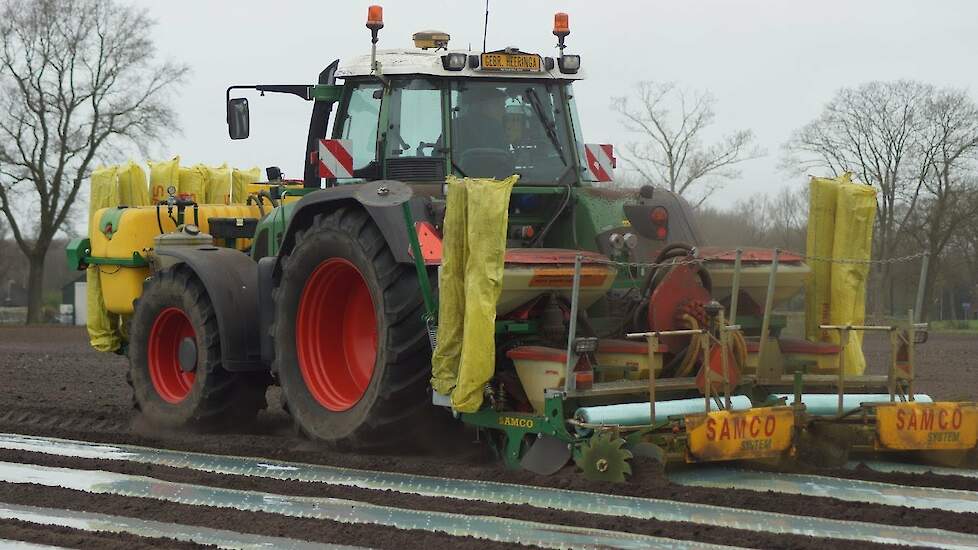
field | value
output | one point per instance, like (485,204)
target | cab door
(359,121)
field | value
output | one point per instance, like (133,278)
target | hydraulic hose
(538,240)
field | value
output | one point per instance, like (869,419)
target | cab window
(501,128)
(415,128)
(360,126)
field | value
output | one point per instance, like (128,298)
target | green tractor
(331,292)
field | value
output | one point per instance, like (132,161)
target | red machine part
(680,292)
(715,366)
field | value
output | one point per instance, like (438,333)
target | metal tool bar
(768,305)
(682,332)
(735,291)
(570,381)
(707,373)
(654,360)
(911,337)
(881,328)
(919,304)
(724,350)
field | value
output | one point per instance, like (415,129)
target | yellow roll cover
(840,227)
(469,284)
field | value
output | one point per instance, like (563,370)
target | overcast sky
(771,64)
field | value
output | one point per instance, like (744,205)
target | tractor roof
(428,62)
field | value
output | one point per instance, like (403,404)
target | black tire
(393,401)
(216,398)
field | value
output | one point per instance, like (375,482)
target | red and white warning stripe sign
(335,159)
(600,161)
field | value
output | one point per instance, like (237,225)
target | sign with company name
(732,435)
(927,426)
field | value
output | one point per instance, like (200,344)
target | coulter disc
(605,458)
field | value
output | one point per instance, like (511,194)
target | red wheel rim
(336,335)
(171,326)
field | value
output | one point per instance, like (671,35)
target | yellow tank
(119,232)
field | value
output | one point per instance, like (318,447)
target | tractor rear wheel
(352,353)
(175,366)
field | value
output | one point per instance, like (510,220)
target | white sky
(770,64)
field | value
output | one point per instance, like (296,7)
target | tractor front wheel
(351,348)
(175,365)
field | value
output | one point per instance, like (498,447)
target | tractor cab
(422,127)
(420,115)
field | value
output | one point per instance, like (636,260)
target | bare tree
(877,131)
(79,82)
(5,260)
(950,185)
(671,122)
(917,145)
(765,220)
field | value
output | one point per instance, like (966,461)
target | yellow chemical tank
(119,232)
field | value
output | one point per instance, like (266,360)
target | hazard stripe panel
(335,158)
(600,161)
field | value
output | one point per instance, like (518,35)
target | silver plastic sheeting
(924,498)
(503,493)
(904,468)
(87,521)
(20,545)
(345,511)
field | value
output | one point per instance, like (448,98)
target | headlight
(454,61)
(569,64)
(631,240)
(617,241)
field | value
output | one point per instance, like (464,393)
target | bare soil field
(53,384)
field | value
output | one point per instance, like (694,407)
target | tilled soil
(54,385)
(830,507)
(76,538)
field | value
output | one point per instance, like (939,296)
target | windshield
(513,127)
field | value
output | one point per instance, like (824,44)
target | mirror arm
(302,90)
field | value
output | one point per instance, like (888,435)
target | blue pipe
(637,414)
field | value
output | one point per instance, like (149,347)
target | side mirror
(239,125)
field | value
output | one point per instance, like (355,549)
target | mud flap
(546,456)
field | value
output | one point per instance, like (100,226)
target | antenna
(485,28)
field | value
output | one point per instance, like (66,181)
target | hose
(266,194)
(693,352)
(693,349)
(258,200)
(560,210)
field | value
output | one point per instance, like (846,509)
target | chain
(896,260)
(683,261)
(701,260)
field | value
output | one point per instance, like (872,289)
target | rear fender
(231,280)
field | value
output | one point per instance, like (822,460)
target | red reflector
(659,215)
(661,233)
(584,379)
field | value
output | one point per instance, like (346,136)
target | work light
(569,64)
(454,61)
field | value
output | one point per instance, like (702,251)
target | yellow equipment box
(733,435)
(120,231)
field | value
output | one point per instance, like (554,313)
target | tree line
(81,83)
(915,143)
